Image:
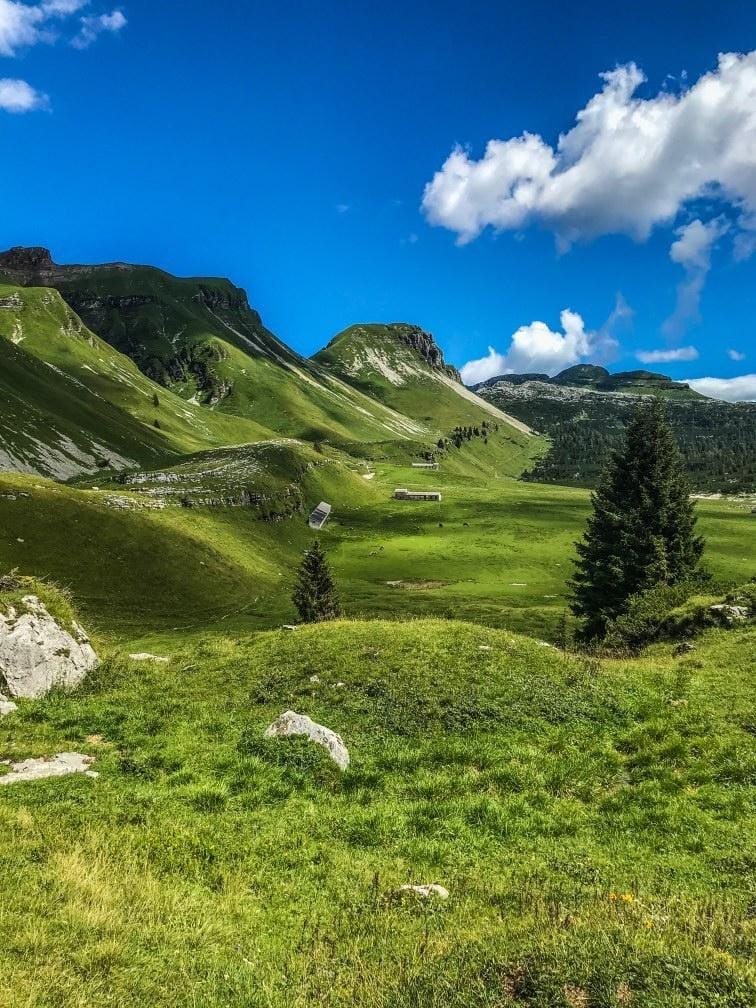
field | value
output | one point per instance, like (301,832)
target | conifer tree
(315,592)
(641,533)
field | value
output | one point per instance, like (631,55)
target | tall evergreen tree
(315,592)
(641,533)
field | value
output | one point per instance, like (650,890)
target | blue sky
(306,151)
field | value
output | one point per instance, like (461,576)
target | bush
(645,617)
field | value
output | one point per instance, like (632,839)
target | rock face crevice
(37,655)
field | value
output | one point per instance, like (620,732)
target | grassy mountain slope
(200,338)
(592,822)
(584,411)
(71,403)
(401,365)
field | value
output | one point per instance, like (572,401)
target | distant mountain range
(122,368)
(585,408)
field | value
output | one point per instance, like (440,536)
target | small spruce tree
(315,592)
(641,533)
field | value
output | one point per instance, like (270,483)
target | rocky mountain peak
(425,345)
(33,258)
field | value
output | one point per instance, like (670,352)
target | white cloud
(536,348)
(627,165)
(692,250)
(740,389)
(686,353)
(92,27)
(23,25)
(736,355)
(18,96)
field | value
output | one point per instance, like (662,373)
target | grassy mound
(591,822)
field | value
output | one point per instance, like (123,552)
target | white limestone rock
(146,656)
(291,723)
(426,891)
(60,765)
(6,706)
(38,655)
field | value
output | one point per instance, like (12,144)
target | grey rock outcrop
(730,614)
(38,655)
(60,765)
(291,723)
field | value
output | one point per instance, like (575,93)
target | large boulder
(38,655)
(291,723)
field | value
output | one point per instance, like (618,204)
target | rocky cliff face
(424,345)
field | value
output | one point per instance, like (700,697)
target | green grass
(497,554)
(206,866)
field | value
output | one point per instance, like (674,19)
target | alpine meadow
(342,664)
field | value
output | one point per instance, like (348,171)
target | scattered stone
(315,678)
(484,647)
(6,706)
(38,655)
(685,648)
(146,656)
(426,891)
(289,627)
(291,723)
(518,584)
(60,765)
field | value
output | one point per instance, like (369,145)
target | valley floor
(592,820)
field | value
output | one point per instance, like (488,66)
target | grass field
(497,552)
(592,821)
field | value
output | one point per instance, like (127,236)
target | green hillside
(70,403)
(200,338)
(584,411)
(592,823)
(400,365)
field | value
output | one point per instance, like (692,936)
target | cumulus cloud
(740,389)
(627,165)
(18,96)
(686,353)
(23,25)
(736,355)
(92,27)
(537,348)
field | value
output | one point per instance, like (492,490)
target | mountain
(401,366)
(200,338)
(117,367)
(584,410)
(594,378)
(71,404)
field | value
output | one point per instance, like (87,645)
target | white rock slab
(426,891)
(146,656)
(60,765)
(291,723)
(38,655)
(6,706)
